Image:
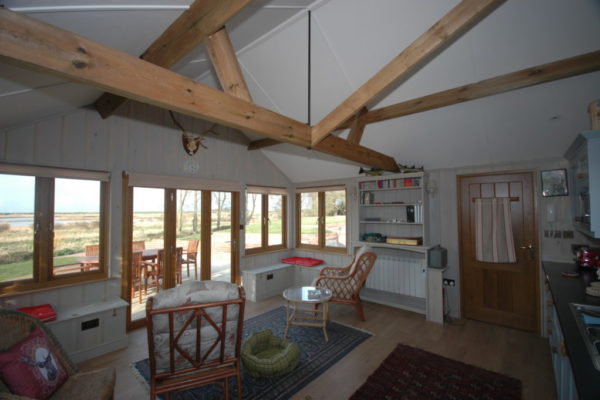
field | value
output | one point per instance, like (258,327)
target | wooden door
(501,293)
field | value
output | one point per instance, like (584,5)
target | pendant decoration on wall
(191,141)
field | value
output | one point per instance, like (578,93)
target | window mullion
(265,221)
(44,229)
(321,220)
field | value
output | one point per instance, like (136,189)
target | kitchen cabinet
(584,173)
(563,373)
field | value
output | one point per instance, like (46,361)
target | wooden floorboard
(508,351)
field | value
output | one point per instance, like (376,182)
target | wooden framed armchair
(18,327)
(346,283)
(194,336)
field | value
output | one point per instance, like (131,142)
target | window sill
(32,288)
(328,250)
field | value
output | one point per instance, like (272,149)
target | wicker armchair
(194,336)
(92,385)
(345,283)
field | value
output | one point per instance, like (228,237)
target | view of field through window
(335,218)
(76,225)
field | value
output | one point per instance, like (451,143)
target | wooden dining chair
(92,250)
(190,256)
(137,278)
(154,269)
(138,245)
(178,264)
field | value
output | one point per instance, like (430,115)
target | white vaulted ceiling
(350,41)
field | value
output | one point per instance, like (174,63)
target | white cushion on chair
(359,253)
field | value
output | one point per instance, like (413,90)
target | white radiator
(401,275)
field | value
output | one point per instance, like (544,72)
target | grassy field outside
(76,230)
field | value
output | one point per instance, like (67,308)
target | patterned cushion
(31,367)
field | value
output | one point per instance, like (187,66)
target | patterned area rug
(316,356)
(413,374)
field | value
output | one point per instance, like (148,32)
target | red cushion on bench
(304,261)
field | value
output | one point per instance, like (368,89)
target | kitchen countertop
(572,290)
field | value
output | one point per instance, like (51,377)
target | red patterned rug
(413,374)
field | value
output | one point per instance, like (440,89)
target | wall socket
(449,282)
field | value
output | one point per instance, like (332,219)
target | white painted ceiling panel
(284,76)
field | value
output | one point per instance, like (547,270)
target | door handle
(530,247)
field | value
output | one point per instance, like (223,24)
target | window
(52,227)
(266,216)
(321,218)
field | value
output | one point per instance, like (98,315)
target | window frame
(264,192)
(43,239)
(321,219)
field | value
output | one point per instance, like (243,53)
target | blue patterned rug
(316,356)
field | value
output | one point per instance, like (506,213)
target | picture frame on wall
(554,183)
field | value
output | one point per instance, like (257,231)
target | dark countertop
(572,290)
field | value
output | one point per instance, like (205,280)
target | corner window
(52,228)
(266,216)
(321,218)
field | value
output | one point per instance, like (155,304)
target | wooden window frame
(43,242)
(321,220)
(265,247)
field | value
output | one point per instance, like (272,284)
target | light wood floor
(518,354)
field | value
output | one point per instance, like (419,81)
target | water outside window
(16,227)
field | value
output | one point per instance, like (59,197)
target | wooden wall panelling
(118,127)
(136,143)
(20,144)
(74,139)
(48,135)
(96,142)
(156,158)
(3,135)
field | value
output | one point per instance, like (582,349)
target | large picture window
(52,227)
(266,216)
(321,218)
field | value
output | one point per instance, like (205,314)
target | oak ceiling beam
(202,18)
(224,60)
(358,126)
(339,147)
(44,47)
(565,68)
(441,34)
(262,143)
(31,42)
